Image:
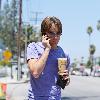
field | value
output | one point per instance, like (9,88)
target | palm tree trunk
(91,60)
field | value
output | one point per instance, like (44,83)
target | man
(42,61)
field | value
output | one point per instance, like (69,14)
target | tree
(89,31)
(99,62)
(88,64)
(8,25)
(98,25)
(9,28)
(92,50)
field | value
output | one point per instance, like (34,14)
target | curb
(18,82)
(11,81)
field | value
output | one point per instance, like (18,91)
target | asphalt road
(80,88)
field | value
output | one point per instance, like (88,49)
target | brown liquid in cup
(62,62)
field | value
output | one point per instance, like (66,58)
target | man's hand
(45,41)
(65,76)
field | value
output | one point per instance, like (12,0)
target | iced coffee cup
(62,62)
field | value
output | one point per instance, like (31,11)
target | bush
(5,63)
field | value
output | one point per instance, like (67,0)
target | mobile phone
(47,37)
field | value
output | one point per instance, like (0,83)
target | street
(80,88)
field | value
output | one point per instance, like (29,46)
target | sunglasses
(53,34)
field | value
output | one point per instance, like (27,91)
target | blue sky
(76,16)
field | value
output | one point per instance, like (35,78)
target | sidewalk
(8,80)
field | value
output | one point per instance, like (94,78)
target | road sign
(7,55)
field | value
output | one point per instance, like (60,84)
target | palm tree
(98,25)
(89,31)
(92,50)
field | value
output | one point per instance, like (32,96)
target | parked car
(97,73)
(76,71)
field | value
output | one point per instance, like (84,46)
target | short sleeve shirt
(44,87)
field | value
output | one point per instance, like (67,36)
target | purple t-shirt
(44,87)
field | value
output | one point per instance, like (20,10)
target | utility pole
(14,15)
(0,5)
(26,45)
(36,19)
(0,13)
(18,41)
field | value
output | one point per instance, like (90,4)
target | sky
(76,16)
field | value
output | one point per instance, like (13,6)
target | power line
(36,19)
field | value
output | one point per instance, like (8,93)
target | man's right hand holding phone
(45,41)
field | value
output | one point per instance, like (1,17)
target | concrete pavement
(80,88)
(8,80)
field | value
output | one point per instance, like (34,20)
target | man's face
(53,35)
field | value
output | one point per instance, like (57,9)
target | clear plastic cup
(62,62)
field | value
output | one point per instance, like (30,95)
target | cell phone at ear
(47,38)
